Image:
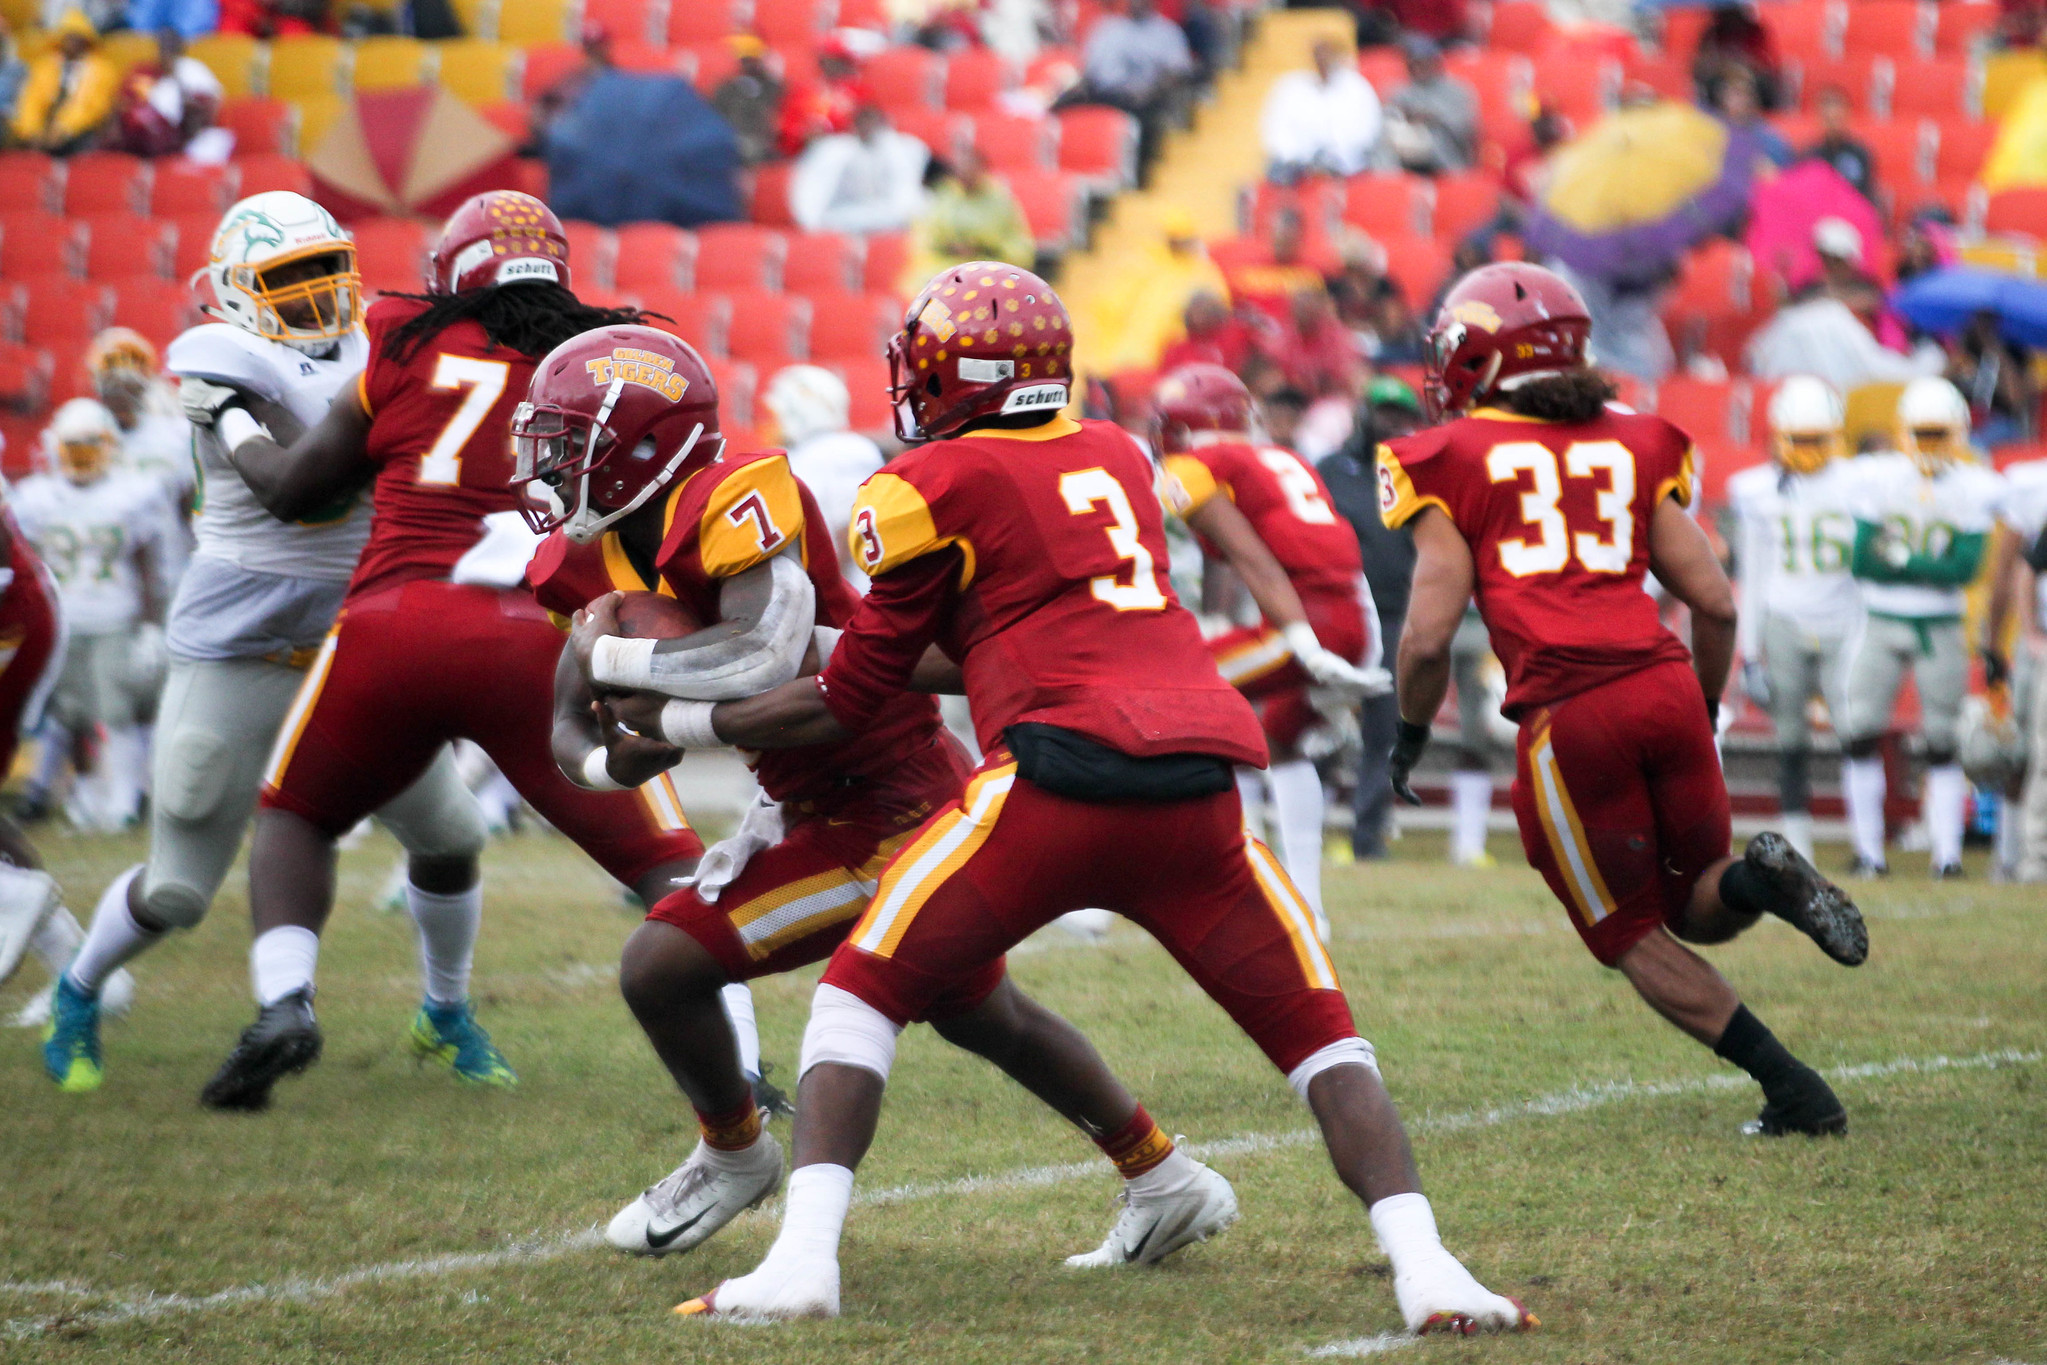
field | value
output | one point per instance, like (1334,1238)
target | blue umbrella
(640,148)
(1944,301)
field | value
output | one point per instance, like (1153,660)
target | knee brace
(1342,1052)
(1794,779)
(196,776)
(1862,748)
(845,1029)
(174,905)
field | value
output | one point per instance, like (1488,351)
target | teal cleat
(71,1041)
(450,1035)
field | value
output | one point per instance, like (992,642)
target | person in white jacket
(1326,119)
(868,180)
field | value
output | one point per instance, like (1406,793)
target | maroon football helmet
(1499,322)
(498,237)
(1197,398)
(611,418)
(983,339)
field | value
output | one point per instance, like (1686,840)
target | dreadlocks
(531,317)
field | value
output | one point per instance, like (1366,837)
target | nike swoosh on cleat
(1138,1250)
(658,1240)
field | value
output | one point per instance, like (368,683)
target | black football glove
(1996,670)
(1407,751)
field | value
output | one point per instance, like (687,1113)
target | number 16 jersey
(1557,517)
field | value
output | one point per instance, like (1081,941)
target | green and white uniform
(2025,512)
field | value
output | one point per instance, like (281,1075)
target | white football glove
(759,828)
(1329,669)
(1755,684)
(203,400)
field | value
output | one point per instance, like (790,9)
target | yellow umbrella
(2019,156)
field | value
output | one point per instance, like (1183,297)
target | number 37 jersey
(1557,517)
(440,434)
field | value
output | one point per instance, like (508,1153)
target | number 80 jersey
(440,433)
(1557,517)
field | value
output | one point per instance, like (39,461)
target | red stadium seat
(1895,28)
(699,319)
(30,182)
(1903,148)
(24,377)
(635,21)
(1940,87)
(106,182)
(768,329)
(1316,200)
(1053,204)
(795,23)
(737,383)
(1864,78)
(1579,90)
(846,325)
(193,244)
(1383,68)
(1387,205)
(1716,278)
(821,263)
(710,64)
(1464,202)
(186,187)
(124,244)
(888,255)
(2018,210)
(867,380)
(261,125)
(739,257)
(1015,142)
(1681,30)
(546,63)
(509,117)
(654,255)
(265,171)
(768,194)
(40,244)
(1669,77)
(904,77)
(1807,28)
(593,254)
(1419,265)
(156,307)
(57,309)
(699,21)
(1520,26)
(1099,143)
(974,77)
(663,60)
(1960,27)
(864,14)
(944,131)
(1714,413)
(1054,70)
(1963,146)
(391,252)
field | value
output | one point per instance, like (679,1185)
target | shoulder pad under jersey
(228,355)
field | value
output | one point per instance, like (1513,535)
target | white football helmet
(81,441)
(1806,417)
(807,401)
(1933,424)
(281,267)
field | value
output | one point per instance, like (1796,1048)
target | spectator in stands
(1996,377)
(2021,23)
(1144,307)
(191,18)
(551,103)
(1434,117)
(1396,332)
(1736,39)
(1627,323)
(750,99)
(13,72)
(815,109)
(1735,102)
(1266,275)
(1215,336)
(165,103)
(868,180)
(1838,244)
(1138,60)
(1380,22)
(1281,407)
(1926,243)
(69,94)
(1527,168)
(1323,120)
(1314,349)
(1822,334)
(969,216)
(1839,148)
(276,18)
(104,15)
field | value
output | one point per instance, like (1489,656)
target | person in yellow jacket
(1143,313)
(70,92)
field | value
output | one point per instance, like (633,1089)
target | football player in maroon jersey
(414,659)
(1550,506)
(620,434)
(1031,549)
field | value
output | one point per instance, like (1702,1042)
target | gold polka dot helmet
(982,340)
(499,237)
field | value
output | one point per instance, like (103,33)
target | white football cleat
(769,1295)
(1440,1295)
(697,1199)
(1152,1228)
(26,899)
(1089,926)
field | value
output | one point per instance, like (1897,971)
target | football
(654,616)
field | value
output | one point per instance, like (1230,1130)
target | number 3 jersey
(1557,517)
(440,434)
(1797,536)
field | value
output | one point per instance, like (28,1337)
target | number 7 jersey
(1557,517)
(440,434)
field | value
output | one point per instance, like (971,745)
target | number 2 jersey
(441,439)
(724,519)
(1285,502)
(1557,517)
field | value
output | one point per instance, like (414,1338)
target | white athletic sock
(1297,805)
(57,940)
(1406,1228)
(813,1217)
(2011,835)
(1947,798)
(447,939)
(53,751)
(282,961)
(1797,829)
(738,1002)
(123,768)
(1471,797)
(1169,1177)
(1251,795)
(1862,787)
(114,937)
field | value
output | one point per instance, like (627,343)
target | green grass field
(1582,1156)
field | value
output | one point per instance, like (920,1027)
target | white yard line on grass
(1364,1346)
(129,1306)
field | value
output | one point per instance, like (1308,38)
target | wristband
(596,772)
(1713,712)
(1300,638)
(236,425)
(620,662)
(687,724)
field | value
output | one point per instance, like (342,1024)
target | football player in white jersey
(155,437)
(254,605)
(104,531)
(2025,515)
(1922,517)
(1797,533)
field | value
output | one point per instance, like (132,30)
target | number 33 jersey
(1557,517)
(440,434)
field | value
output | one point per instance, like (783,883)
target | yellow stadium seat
(390,63)
(479,17)
(1872,410)
(230,56)
(2007,73)
(316,115)
(478,72)
(129,49)
(2006,255)
(533,21)
(303,67)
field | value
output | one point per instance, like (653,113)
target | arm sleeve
(1953,567)
(766,654)
(896,623)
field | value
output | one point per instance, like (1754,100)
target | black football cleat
(1807,901)
(284,1040)
(1813,1111)
(1948,872)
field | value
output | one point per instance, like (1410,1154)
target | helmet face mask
(1806,418)
(82,442)
(283,269)
(1933,425)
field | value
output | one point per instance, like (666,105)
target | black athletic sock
(1748,892)
(1749,1044)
